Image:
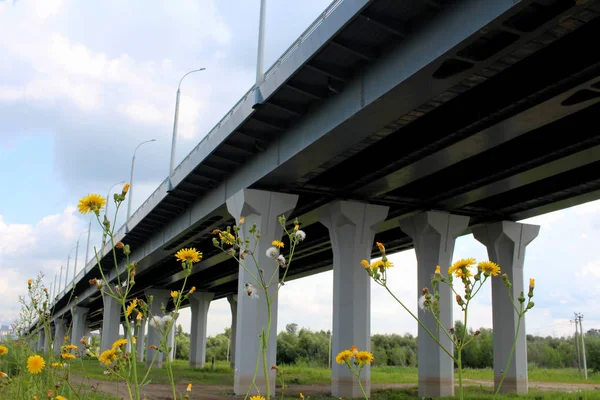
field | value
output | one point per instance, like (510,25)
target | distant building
(6,332)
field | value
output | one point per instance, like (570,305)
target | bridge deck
(486,111)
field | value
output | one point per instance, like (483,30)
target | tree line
(303,346)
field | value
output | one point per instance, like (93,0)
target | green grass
(304,374)
(222,375)
(473,393)
(308,375)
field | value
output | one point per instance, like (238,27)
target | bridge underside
(506,127)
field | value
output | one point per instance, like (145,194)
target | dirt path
(216,392)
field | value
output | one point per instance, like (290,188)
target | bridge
(405,122)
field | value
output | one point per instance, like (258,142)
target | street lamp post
(59,279)
(175,123)
(53,293)
(108,196)
(76,253)
(87,246)
(258,99)
(131,182)
(261,42)
(67,271)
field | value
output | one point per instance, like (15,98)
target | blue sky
(82,83)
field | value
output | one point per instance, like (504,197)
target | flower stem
(512,351)
(419,322)
(459,364)
(362,389)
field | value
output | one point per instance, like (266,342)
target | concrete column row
(352,227)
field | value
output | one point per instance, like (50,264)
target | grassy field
(297,374)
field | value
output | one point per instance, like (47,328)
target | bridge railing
(316,23)
(289,52)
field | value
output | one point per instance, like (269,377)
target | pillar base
(435,387)
(512,385)
(241,383)
(348,387)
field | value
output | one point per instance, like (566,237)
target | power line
(577,345)
(579,318)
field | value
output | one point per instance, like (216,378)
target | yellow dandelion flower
(35,398)
(364,357)
(67,356)
(35,364)
(343,356)
(190,254)
(119,343)
(29,282)
(107,357)
(365,264)
(125,189)
(490,267)
(242,220)
(139,316)
(134,340)
(460,264)
(3,375)
(227,238)
(438,270)
(91,203)
(56,365)
(3,350)
(388,264)
(531,283)
(174,294)
(69,347)
(459,273)
(131,307)
(59,397)
(301,396)
(380,246)
(377,264)
(257,398)
(189,387)
(278,244)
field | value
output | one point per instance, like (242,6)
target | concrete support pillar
(140,334)
(506,242)
(126,335)
(79,328)
(160,297)
(434,234)
(111,318)
(263,209)
(199,302)
(171,343)
(352,231)
(41,341)
(59,335)
(232,299)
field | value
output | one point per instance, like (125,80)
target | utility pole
(579,317)
(577,345)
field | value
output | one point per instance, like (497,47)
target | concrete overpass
(405,122)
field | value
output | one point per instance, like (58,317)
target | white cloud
(545,220)
(46,8)
(592,207)
(26,250)
(590,270)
